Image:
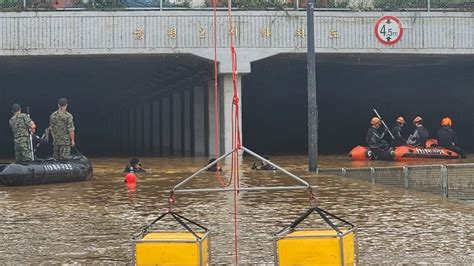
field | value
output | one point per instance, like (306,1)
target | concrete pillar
(103,131)
(124,130)
(212,120)
(147,124)
(199,122)
(112,133)
(177,132)
(139,129)
(226,96)
(166,126)
(187,122)
(156,126)
(115,133)
(110,137)
(131,130)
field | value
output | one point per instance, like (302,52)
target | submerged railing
(450,180)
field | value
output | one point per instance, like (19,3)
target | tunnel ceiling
(100,80)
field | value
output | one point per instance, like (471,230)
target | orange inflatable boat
(404,153)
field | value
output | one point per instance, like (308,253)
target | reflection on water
(93,222)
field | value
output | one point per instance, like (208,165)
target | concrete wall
(177,124)
(188,123)
(147,127)
(166,126)
(199,121)
(156,132)
(259,33)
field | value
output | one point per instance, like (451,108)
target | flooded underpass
(153,115)
(162,105)
(93,222)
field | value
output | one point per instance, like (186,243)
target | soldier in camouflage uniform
(22,127)
(61,125)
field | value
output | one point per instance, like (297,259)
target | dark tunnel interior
(348,88)
(95,87)
(274,95)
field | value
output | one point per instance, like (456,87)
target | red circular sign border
(377,23)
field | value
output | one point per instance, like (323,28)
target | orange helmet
(418,119)
(401,120)
(375,121)
(446,122)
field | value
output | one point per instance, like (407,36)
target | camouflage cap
(15,108)
(62,102)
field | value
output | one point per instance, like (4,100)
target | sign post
(312,103)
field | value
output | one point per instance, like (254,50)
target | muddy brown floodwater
(93,222)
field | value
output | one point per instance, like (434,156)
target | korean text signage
(388,30)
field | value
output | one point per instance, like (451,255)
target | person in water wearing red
(135,166)
(397,132)
(420,135)
(447,137)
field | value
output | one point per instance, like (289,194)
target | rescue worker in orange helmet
(373,138)
(397,132)
(447,137)
(420,135)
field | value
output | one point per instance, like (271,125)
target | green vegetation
(400,4)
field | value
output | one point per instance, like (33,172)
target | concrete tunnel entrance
(133,105)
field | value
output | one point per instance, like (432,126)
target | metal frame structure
(340,237)
(350,228)
(305,184)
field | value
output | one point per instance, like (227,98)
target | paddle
(31,136)
(77,151)
(383,123)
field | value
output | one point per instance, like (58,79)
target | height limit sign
(388,30)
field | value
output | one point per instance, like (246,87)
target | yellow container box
(316,247)
(172,248)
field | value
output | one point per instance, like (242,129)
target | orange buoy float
(130,178)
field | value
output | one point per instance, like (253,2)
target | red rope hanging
(235,117)
(236,143)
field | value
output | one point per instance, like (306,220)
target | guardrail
(329,5)
(452,180)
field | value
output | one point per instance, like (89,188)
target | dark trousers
(457,150)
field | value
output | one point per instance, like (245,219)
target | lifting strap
(179,218)
(326,216)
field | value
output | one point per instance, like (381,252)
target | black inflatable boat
(78,168)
